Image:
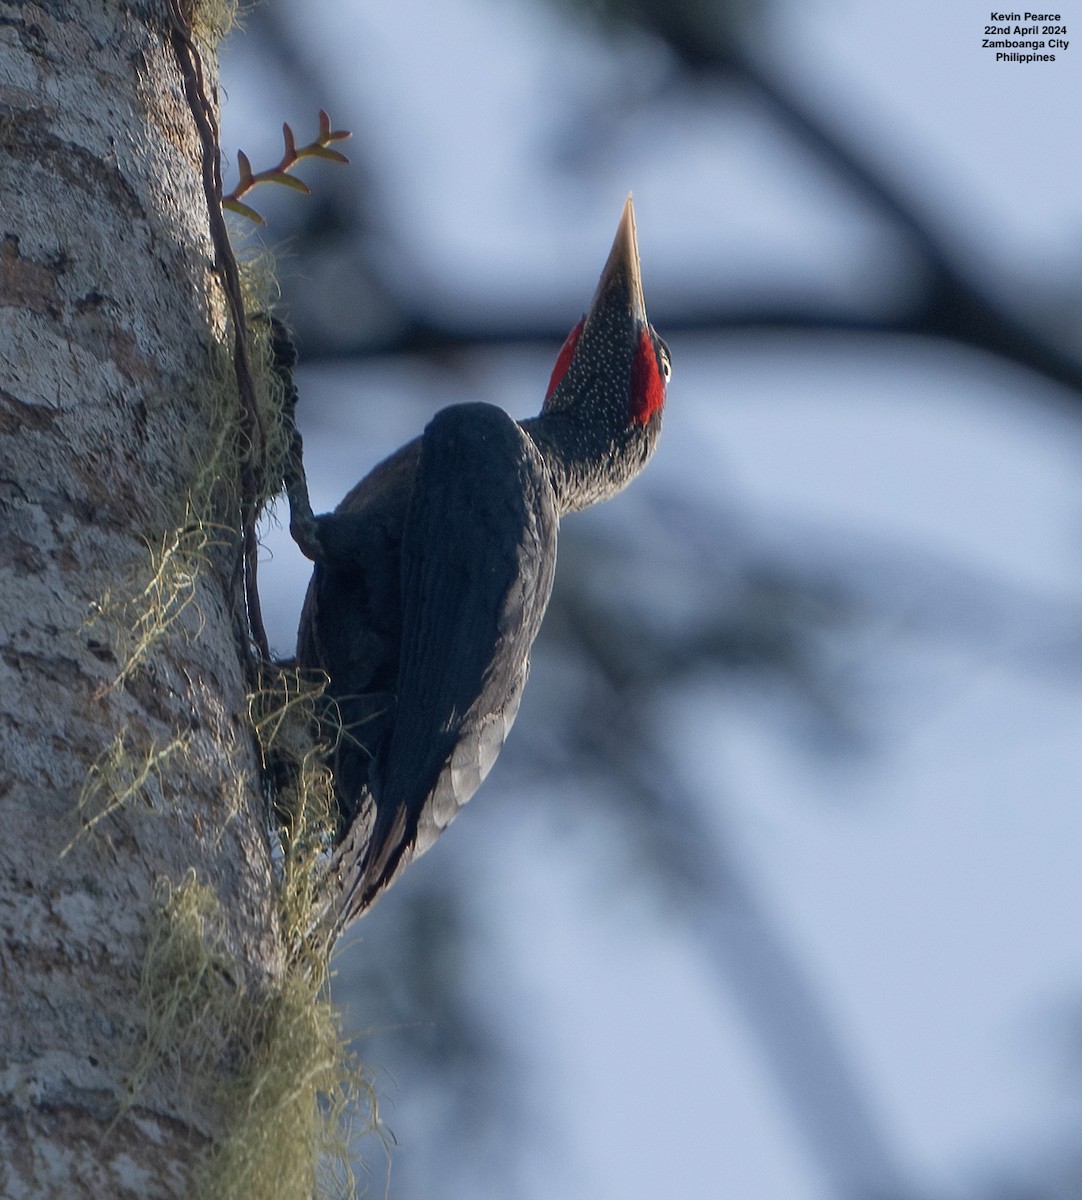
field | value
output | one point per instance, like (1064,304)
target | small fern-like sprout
(319,148)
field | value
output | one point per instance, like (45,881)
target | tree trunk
(127,761)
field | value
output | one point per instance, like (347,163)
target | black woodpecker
(434,572)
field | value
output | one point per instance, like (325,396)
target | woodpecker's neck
(602,410)
(589,460)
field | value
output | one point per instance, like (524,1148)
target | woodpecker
(433,574)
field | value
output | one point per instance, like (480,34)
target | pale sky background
(931,885)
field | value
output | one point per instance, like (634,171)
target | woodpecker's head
(604,402)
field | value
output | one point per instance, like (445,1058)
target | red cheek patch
(563,361)
(647,387)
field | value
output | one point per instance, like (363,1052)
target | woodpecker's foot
(304,530)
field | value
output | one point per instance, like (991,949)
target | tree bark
(126,755)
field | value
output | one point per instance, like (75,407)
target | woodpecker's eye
(664,360)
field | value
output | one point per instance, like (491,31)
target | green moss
(125,772)
(283,715)
(192,994)
(279,1067)
(158,598)
(289,1124)
(211,20)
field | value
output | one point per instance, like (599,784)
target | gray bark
(112,345)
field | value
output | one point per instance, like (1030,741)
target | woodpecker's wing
(478,557)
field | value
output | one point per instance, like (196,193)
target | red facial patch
(563,361)
(647,387)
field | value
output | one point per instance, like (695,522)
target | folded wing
(478,557)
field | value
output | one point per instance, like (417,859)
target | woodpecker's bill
(434,572)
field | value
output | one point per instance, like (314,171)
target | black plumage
(433,574)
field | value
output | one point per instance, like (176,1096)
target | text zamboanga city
(1024,32)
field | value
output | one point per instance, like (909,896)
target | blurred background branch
(708,45)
